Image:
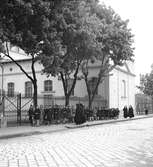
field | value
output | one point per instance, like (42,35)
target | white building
(116,91)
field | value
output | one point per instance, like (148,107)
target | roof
(22,58)
(5,60)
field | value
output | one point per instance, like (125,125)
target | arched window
(28,89)
(123,89)
(48,85)
(10,89)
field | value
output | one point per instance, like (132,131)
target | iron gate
(13,109)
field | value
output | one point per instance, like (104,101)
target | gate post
(19,108)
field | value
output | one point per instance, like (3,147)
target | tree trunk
(34,82)
(90,102)
(35,94)
(65,81)
(67,100)
(92,96)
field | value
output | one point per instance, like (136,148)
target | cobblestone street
(124,144)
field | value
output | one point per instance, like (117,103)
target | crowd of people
(48,115)
(60,114)
(39,116)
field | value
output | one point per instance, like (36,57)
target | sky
(140,15)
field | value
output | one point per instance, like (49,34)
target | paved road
(125,144)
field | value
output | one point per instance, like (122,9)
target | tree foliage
(86,32)
(24,23)
(114,43)
(64,35)
(146,83)
(75,40)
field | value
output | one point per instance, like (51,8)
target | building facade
(117,90)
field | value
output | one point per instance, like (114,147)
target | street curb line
(109,122)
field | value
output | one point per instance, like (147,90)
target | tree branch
(64,84)
(8,55)
(75,78)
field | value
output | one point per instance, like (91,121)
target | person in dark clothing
(131,113)
(146,111)
(79,114)
(49,115)
(31,114)
(37,116)
(125,112)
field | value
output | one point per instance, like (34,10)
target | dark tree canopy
(65,35)
(86,32)
(114,42)
(24,23)
(75,40)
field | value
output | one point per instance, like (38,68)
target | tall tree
(24,23)
(114,41)
(146,83)
(76,40)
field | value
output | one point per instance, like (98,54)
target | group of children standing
(128,112)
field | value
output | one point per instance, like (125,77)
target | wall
(12,73)
(116,98)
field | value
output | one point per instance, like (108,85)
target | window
(28,89)
(48,85)
(70,82)
(92,85)
(123,89)
(10,89)
(48,100)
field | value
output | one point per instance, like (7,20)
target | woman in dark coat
(31,113)
(131,113)
(79,114)
(37,116)
(125,112)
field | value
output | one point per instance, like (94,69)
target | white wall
(113,89)
(116,90)
(19,78)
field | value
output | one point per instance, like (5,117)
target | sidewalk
(20,131)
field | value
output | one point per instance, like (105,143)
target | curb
(108,122)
